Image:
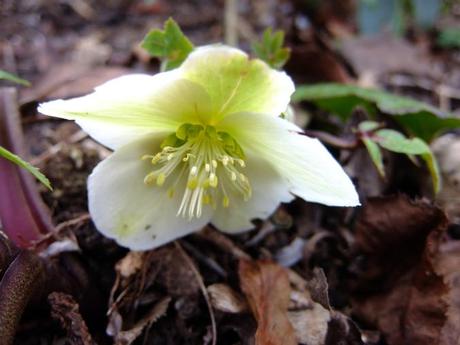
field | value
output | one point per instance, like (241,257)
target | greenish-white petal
(313,174)
(237,83)
(134,105)
(137,216)
(269,189)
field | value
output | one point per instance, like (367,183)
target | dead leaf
(130,264)
(225,299)
(311,325)
(399,291)
(66,311)
(266,286)
(128,336)
(69,79)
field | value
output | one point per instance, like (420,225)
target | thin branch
(200,281)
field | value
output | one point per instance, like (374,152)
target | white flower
(198,144)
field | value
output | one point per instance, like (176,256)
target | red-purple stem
(24,217)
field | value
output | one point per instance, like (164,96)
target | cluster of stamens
(210,161)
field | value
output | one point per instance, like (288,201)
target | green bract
(201,143)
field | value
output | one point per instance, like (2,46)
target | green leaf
(271,49)
(419,119)
(397,142)
(169,44)
(11,77)
(23,164)
(368,126)
(449,38)
(376,155)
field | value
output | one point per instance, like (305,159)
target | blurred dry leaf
(447,148)
(69,79)
(66,310)
(130,264)
(128,336)
(225,299)
(266,286)
(399,291)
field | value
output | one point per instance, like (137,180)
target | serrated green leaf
(397,142)
(419,119)
(23,164)
(11,77)
(376,155)
(270,48)
(169,44)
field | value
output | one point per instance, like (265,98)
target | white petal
(131,106)
(122,207)
(237,83)
(313,174)
(269,189)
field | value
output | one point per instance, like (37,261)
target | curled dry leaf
(225,299)
(266,286)
(66,310)
(400,292)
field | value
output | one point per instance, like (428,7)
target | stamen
(209,157)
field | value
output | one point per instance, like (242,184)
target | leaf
(420,119)
(376,155)
(15,79)
(397,142)
(23,164)
(266,286)
(399,291)
(169,44)
(449,38)
(271,49)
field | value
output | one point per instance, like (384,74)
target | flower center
(211,162)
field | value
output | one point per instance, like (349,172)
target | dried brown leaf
(400,292)
(66,310)
(128,336)
(225,299)
(266,286)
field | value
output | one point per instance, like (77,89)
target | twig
(200,281)
(19,283)
(51,151)
(231,22)
(333,140)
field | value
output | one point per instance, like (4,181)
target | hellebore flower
(198,144)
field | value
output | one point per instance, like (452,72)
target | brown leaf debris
(266,286)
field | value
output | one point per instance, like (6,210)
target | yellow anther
(161,179)
(206,199)
(207,167)
(225,201)
(192,183)
(171,193)
(194,171)
(214,163)
(233,176)
(149,179)
(213,181)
